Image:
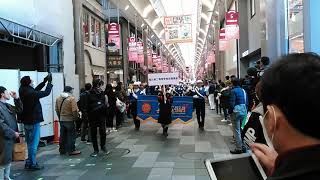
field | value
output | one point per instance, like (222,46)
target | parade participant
(8,129)
(121,98)
(67,111)
(199,103)
(133,94)
(179,90)
(97,116)
(165,100)
(31,115)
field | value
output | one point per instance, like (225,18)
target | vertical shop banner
(114,40)
(149,55)
(159,63)
(140,53)
(211,57)
(148,109)
(178,29)
(232,25)
(133,54)
(223,42)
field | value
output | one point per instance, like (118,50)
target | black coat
(299,164)
(96,106)
(8,127)
(30,97)
(165,109)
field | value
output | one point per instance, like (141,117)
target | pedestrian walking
(199,103)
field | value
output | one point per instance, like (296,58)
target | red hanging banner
(114,40)
(232,25)
(223,42)
(132,52)
(140,53)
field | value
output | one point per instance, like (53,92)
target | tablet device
(239,167)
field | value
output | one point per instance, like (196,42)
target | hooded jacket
(68,109)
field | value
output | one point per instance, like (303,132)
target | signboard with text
(148,109)
(158,79)
(223,42)
(114,40)
(178,29)
(132,52)
(232,25)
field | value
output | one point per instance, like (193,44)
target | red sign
(232,32)
(149,54)
(133,54)
(140,52)
(232,18)
(223,42)
(113,37)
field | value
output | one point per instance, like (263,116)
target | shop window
(92,31)
(295,26)
(85,26)
(98,34)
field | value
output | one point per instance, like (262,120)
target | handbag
(19,151)
(120,105)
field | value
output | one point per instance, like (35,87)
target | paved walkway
(143,155)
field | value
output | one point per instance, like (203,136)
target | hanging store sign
(223,42)
(140,52)
(232,25)
(114,62)
(178,29)
(132,52)
(114,40)
(149,55)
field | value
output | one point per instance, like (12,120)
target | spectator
(83,104)
(31,115)
(133,95)
(121,95)
(67,111)
(97,116)
(211,97)
(292,131)
(252,131)
(224,99)
(263,65)
(111,109)
(238,110)
(8,129)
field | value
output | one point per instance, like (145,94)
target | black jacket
(298,164)
(165,109)
(30,97)
(8,127)
(96,103)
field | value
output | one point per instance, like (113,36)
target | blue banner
(182,109)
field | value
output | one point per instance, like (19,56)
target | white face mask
(266,136)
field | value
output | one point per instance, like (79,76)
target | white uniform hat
(199,81)
(136,84)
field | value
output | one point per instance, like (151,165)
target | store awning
(13,32)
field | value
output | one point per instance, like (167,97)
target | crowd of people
(271,111)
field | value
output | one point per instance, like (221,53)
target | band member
(133,94)
(165,100)
(199,103)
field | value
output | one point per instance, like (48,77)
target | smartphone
(239,167)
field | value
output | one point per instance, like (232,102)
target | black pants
(110,116)
(99,122)
(67,136)
(200,111)
(85,130)
(134,114)
(119,118)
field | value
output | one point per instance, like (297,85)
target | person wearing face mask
(97,110)
(8,129)
(31,116)
(291,131)
(133,95)
(199,103)
(67,111)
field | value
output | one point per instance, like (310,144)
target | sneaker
(224,120)
(104,149)
(88,142)
(35,167)
(237,151)
(230,124)
(74,153)
(94,154)
(114,130)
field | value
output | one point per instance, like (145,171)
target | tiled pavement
(143,155)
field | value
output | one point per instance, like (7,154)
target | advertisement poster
(149,55)
(133,54)
(232,25)
(157,79)
(182,108)
(178,29)
(114,40)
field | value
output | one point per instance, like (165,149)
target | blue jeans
(32,138)
(236,118)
